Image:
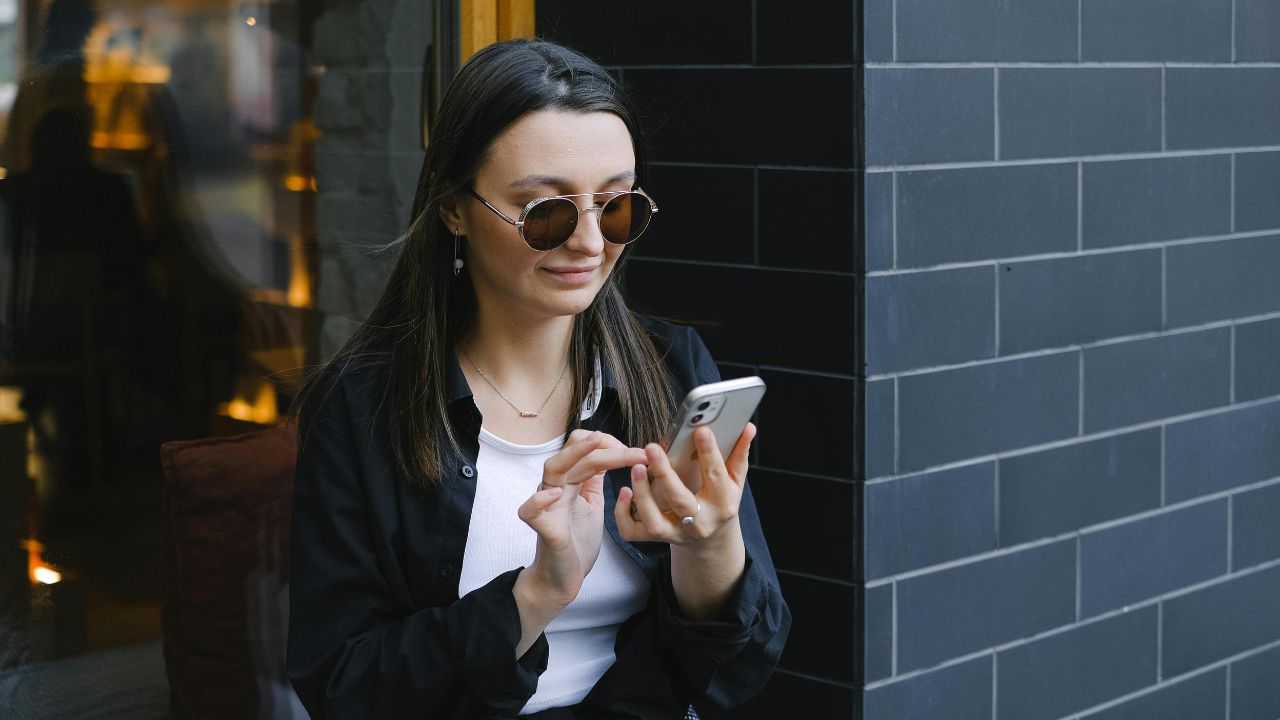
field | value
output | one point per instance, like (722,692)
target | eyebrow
(552,181)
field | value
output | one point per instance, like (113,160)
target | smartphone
(725,407)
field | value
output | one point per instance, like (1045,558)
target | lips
(573,275)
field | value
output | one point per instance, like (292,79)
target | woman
(482,524)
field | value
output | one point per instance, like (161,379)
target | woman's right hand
(568,514)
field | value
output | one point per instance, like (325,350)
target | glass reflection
(157,276)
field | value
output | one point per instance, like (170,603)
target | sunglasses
(546,223)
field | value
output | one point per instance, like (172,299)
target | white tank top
(581,638)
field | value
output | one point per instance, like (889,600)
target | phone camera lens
(704,406)
(695,419)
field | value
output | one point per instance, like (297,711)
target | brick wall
(367,160)
(751,109)
(1073,359)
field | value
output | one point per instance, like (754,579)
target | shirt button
(446,570)
(468,471)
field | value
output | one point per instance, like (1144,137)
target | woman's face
(543,153)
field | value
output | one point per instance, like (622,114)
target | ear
(451,215)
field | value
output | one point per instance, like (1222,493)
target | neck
(524,358)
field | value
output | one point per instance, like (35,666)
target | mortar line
(1079,31)
(1159,643)
(1233,59)
(995,697)
(1080,393)
(1164,287)
(1079,207)
(1091,529)
(995,111)
(1189,675)
(982,65)
(893,206)
(1232,370)
(1227,716)
(1164,429)
(1179,242)
(1015,162)
(1079,561)
(1164,124)
(996,338)
(1231,504)
(893,630)
(1233,192)
(996,496)
(897,428)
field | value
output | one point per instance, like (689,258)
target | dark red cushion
(227,504)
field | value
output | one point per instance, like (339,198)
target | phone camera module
(695,419)
(704,406)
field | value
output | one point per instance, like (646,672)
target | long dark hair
(424,309)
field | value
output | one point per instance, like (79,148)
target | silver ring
(688,519)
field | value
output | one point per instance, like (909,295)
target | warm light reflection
(9,409)
(250,21)
(262,410)
(46,575)
(38,571)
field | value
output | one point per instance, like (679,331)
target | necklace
(523,413)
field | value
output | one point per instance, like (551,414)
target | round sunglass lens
(549,223)
(624,217)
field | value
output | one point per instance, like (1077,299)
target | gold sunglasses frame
(519,223)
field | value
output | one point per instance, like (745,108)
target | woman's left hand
(662,498)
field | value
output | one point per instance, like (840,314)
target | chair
(227,505)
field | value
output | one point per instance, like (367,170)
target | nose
(587,238)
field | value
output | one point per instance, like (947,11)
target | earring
(457,261)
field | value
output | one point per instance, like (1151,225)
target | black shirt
(376,627)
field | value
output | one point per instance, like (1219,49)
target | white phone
(725,407)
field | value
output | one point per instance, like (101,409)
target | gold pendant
(528,413)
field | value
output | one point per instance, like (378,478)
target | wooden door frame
(482,22)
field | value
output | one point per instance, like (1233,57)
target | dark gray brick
(807,521)
(956,611)
(930,318)
(973,411)
(1257,30)
(821,640)
(978,30)
(1072,300)
(1255,533)
(927,519)
(917,115)
(879,428)
(1079,668)
(1255,693)
(877,30)
(1144,558)
(1257,359)
(960,692)
(1222,279)
(1139,380)
(1139,201)
(878,196)
(1221,620)
(1222,451)
(1258,189)
(1203,697)
(1222,107)
(981,213)
(878,620)
(810,209)
(1170,30)
(1051,112)
(1070,487)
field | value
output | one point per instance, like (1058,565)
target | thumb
(531,509)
